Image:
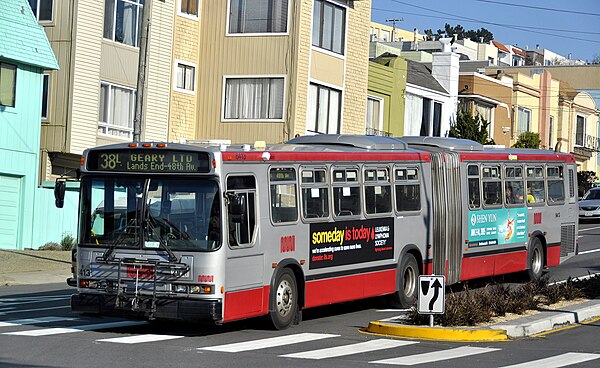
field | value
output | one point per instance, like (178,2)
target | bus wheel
(535,260)
(284,300)
(408,279)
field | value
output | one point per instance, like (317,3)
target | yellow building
(383,33)
(245,72)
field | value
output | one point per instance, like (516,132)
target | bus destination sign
(149,161)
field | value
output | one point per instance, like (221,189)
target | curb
(437,333)
(552,320)
(544,322)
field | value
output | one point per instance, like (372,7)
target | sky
(564,27)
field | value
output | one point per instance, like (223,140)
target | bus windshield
(174,213)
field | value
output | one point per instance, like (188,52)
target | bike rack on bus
(156,267)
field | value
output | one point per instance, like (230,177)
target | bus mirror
(236,207)
(59,192)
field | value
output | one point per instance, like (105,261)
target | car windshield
(592,194)
(178,213)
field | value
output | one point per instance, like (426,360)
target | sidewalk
(521,327)
(34,267)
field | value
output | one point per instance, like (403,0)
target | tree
(528,140)
(596,59)
(585,180)
(473,35)
(469,127)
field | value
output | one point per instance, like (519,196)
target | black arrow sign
(436,292)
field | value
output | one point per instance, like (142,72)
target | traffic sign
(432,296)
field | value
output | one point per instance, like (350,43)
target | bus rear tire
(535,260)
(284,300)
(408,282)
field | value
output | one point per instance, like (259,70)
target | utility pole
(140,98)
(393,21)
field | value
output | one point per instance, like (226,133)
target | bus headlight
(202,289)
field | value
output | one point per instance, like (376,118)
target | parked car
(589,205)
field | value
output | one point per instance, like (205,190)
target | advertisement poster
(344,243)
(497,227)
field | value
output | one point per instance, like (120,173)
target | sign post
(432,296)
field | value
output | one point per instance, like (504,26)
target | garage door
(10,211)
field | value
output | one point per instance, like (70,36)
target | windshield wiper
(108,254)
(151,220)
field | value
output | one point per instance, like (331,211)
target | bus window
(556,185)
(408,192)
(241,194)
(536,189)
(284,207)
(513,186)
(315,194)
(474,187)
(492,186)
(378,191)
(346,192)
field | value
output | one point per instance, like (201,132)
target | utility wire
(484,22)
(539,8)
(493,23)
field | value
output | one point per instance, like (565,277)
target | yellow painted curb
(436,333)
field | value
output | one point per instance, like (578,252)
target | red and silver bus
(219,233)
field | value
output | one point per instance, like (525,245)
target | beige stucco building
(292,67)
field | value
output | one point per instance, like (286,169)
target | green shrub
(67,242)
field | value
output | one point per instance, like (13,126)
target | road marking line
(589,251)
(61,330)
(590,228)
(39,297)
(393,310)
(435,356)
(361,347)
(138,339)
(557,361)
(6,311)
(32,321)
(268,343)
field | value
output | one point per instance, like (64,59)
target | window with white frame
(523,120)
(486,112)
(374,115)
(8,84)
(117,105)
(185,76)
(258,16)
(42,9)
(324,110)
(580,131)
(329,26)
(45,89)
(422,116)
(188,8)
(254,98)
(122,21)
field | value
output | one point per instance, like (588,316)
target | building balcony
(586,146)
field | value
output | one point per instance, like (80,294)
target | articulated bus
(215,233)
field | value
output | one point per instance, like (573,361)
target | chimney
(481,39)
(445,69)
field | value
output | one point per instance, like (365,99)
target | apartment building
(268,70)
(90,100)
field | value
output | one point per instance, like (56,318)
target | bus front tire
(284,300)
(408,278)
(535,260)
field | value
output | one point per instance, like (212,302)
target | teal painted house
(24,54)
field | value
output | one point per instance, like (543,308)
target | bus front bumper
(167,309)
